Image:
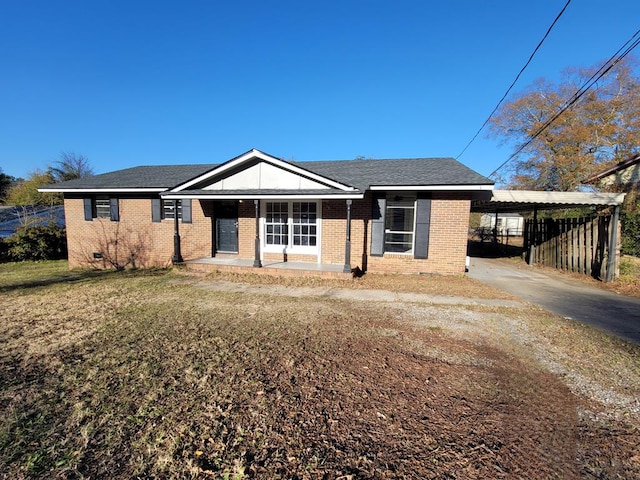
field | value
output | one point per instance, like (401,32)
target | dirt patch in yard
(163,380)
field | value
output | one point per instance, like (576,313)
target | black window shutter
(114,211)
(378,213)
(88,209)
(423,220)
(186,210)
(156,209)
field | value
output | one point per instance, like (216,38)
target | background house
(511,224)
(621,177)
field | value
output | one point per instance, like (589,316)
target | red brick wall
(447,237)
(246,229)
(151,244)
(135,240)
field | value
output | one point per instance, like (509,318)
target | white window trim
(290,249)
(387,230)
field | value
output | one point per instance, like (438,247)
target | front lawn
(142,375)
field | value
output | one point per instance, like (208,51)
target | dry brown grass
(135,375)
(629,281)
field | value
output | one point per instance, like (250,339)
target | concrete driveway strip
(351,294)
(563,295)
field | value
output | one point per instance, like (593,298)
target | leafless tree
(70,166)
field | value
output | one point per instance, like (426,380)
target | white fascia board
(430,188)
(103,190)
(222,196)
(557,198)
(267,158)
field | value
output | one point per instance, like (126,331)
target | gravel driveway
(518,327)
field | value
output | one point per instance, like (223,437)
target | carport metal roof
(502,201)
(527,200)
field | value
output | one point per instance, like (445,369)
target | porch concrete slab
(563,295)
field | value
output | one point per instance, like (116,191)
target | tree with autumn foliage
(25,192)
(600,129)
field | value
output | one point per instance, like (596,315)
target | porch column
(534,236)
(347,244)
(177,256)
(613,245)
(256,261)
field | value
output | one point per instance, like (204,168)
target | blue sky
(166,82)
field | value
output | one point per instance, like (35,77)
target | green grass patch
(15,273)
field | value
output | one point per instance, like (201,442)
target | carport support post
(613,245)
(177,255)
(495,230)
(347,244)
(256,260)
(534,235)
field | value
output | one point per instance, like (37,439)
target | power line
(516,79)
(617,57)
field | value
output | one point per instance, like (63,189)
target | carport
(566,241)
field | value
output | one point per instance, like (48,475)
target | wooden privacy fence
(579,245)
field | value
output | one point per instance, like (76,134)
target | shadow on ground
(75,276)
(489,249)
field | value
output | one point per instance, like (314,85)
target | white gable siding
(265,176)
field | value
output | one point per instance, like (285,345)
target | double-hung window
(277,223)
(305,220)
(399,223)
(101,207)
(291,225)
(169,209)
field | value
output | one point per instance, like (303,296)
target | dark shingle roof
(158,176)
(361,174)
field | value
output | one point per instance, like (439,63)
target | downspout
(613,245)
(347,245)
(256,261)
(177,255)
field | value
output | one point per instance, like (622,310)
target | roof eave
(264,196)
(429,188)
(103,190)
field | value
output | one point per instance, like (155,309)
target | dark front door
(226,214)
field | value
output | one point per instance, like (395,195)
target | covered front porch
(275,268)
(269,214)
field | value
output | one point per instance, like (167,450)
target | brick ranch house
(398,215)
